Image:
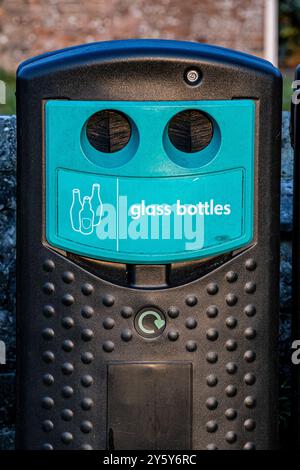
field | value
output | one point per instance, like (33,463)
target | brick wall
(30,27)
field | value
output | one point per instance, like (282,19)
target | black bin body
(130,345)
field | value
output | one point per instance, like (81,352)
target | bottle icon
(86,216)
(96,203)
(75,210)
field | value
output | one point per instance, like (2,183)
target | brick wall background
(30,27)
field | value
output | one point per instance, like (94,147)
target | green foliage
(10,106)
(288,77)
(289,26)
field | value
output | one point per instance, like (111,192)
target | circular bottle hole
(190,131)
(108,131)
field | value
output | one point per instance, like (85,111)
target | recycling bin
(148,236)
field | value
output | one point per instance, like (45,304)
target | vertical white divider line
(117,218)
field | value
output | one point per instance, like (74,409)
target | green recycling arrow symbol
(159,322)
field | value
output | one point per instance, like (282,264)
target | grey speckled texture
(7,276)
(286,176)
(7,234)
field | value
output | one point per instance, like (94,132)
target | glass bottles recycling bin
(148,222)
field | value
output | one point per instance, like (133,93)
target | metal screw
(192,76)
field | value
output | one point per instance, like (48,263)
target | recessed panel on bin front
(149,202)
(139,396)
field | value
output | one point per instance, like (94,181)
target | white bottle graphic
(86,216)
(96,204)
(75,210)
